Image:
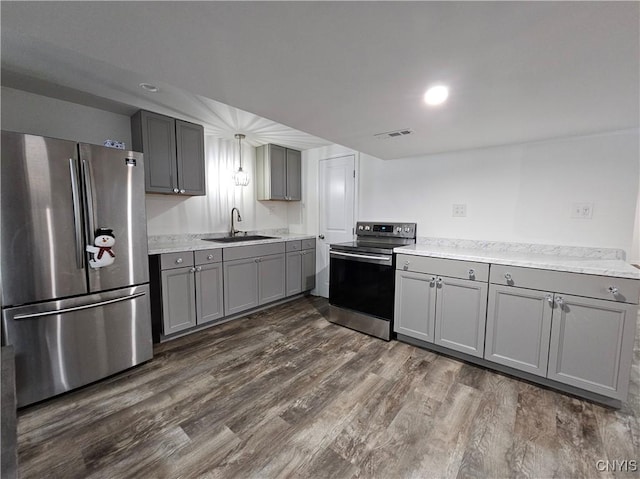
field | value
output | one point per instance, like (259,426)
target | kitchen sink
(238,239)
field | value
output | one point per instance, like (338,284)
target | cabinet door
(271,278)
(591,344)
(461,311)
(159,148)
(209,292)
(415,305)
(178,300)
(308,269)
(294,273)
(294,175)
(240,285)
(519,328)
(278,164)
(190,158)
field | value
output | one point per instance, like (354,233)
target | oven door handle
(381,259)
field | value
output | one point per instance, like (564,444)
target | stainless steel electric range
(362,277)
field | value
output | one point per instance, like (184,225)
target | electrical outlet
(459,211)
(583,211)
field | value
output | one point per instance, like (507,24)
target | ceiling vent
(393,134)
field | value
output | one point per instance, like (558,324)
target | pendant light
(240,177)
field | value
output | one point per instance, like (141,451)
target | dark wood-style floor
(284,393)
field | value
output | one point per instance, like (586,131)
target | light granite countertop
(177,243)
(574,264)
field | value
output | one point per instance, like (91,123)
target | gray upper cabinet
(190,158)
(173,153)
(518,328)
(278,173)
(592,344)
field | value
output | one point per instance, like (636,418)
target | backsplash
(553,250)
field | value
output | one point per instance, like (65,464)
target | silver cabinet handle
(439,281)
(472,272)
(613,290)
(507,276)
(179,261)
(321,236)
(549,299)
(193,270)
(433,281)
(406,265)
(176,190)
(198,268)
(182,192)
(560,301)
(209,257)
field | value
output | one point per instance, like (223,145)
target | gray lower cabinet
(518,328)
(445,310)
(592,344)
(191,287)
(294,273)
(209,293)
(461,309)
(271,278)
(240,285)
(301,271)
(415,305)
(308,269)
(178,299)
(253,275)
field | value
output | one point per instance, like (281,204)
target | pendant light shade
(240,177)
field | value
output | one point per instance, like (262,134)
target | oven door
(362,282)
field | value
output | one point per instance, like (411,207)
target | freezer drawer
(62,345)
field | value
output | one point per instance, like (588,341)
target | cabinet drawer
(252,251)
(443,267)
(207,256)
(309,243)
(294,245)
(176,260)
(587,285)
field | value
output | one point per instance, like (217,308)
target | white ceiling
(342,71)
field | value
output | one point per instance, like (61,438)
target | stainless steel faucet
(234,231)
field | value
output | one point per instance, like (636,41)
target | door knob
(613,290)
(182,192)
(321,236)
(176,190)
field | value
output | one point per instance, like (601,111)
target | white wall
(173,214)
(520,193)
(166,214)
(40,115)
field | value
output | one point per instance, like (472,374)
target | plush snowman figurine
(102,253)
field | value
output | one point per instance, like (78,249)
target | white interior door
(337,205)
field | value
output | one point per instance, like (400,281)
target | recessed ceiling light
(149,87)
(436,95)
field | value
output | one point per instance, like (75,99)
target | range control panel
(389,230)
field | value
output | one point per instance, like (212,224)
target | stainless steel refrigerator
(75,293)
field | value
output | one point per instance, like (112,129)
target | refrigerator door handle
(88,191)
(77,308)
(77,213)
